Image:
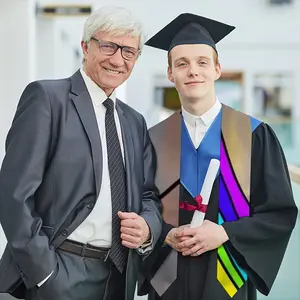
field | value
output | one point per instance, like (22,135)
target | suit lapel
(83,103)
(128,151)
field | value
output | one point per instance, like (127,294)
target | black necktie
(118,253)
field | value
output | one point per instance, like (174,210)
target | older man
(77,200)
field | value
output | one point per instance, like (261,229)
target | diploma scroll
(209,180)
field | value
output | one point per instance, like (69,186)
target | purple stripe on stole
(225,204)
(238,199)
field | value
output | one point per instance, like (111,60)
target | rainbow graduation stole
(234,200)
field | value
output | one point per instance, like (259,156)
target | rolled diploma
(209,180)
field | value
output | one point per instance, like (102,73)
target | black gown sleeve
(259,242)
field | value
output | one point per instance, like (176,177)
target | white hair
(116,21)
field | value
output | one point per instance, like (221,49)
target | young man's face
(193,70)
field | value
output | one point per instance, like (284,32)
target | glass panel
(289,136)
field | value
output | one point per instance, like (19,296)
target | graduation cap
(190,29)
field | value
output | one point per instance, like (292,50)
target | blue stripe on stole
(220,219)
(194,163)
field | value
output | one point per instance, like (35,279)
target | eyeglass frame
(138,51)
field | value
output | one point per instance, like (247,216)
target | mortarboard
(190,29)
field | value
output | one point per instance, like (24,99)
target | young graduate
(251,211)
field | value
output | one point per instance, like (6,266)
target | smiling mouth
(112,71)
(193,82)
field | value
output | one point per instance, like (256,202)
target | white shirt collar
(207,118)
(97,94)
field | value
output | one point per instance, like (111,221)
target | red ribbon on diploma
(199,205)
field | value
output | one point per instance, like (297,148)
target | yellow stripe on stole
(225,280)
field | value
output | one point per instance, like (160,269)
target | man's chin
(113,84)
(195,97)
(109,87)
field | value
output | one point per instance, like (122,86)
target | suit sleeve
(23,167)
(151,204)
(259,242)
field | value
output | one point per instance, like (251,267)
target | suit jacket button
(90,205)
(64,232)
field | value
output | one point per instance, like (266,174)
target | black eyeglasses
(110,48)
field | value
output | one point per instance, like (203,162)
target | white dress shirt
(198,125)
(96,229)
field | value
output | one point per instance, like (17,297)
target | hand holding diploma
(206,235)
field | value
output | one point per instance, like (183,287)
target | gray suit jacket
(51,176)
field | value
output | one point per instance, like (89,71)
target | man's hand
(134,230)
(208,236)
(173,239)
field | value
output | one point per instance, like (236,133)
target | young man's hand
(208,236)
(174,238)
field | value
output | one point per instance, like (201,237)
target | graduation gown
(256,243)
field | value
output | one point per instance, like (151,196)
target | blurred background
(260,62)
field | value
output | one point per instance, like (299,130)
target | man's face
(108,71)
(194,71)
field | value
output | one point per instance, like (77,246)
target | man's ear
(170,76)
(218,71)
(85,48)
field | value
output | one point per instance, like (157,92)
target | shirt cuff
(146,247)
(43,281)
